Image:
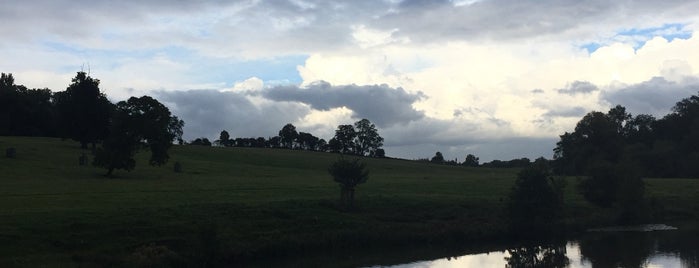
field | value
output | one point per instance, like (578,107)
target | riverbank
(242,206)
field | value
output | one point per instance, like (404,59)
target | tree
(307,141)
(597,136)
(437,158)
(368,139)
(224,138)
(137,121)
(25,112)
(535,200)
(83,110)
(380,153)
(349,174)
(201,142)
(344,139)
(288,136)
(471,161)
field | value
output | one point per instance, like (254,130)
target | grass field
(236,205)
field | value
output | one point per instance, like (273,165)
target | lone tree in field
(137,122)
(349,174)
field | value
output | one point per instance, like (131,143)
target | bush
(536,199)
(349,174)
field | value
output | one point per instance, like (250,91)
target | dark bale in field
(11,152)
(178,167)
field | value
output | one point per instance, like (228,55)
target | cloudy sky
(497,78)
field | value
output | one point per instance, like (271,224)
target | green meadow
(246,205)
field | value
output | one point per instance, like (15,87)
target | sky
(500,79)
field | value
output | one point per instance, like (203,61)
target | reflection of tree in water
(625,249)
(537,256)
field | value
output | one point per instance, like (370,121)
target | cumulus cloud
(381,104)
(578,87)
(656,96)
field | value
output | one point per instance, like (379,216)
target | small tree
(471,161)
(437,158)
(349,174)
(535,200)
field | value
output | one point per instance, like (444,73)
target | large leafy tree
(83,110)
(135,122)
(368,140)
(288,136)
(344,140)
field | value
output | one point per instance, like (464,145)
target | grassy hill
(233,205)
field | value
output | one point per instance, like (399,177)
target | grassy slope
(255,202)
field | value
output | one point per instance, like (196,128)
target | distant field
(233,204)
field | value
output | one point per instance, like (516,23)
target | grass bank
(238,205)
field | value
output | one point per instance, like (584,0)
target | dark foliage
(470,161)
(437,158)
(535,201)
(83,111)
(349,174)
(138,121)
(201,142)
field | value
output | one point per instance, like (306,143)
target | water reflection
(537,256)
(600,249)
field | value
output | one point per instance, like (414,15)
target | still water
(601,248)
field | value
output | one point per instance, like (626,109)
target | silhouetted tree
(307,141)
(225,138)
(349,174)
(379,153)
(83,110)
(275,142)
(344,139)
(471,161)
(437,158)
(200,141)
(138,120)
(367,139)
(288,136)
(535,200)
(25,112)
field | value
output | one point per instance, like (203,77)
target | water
(643,246)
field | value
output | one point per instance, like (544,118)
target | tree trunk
(351,199)
(109,172)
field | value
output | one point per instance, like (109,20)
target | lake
(614,247)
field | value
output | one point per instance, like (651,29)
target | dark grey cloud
(381,104)
(578,87)
(207,112)
(656,96)
(426,21)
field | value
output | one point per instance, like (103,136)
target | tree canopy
(83,111)
(136,121)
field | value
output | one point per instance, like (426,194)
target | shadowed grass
(251,204)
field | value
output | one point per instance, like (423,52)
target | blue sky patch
(639,36)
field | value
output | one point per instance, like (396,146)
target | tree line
(83,113)
(665,147)
(361,138)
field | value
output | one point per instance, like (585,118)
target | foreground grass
(235,205)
